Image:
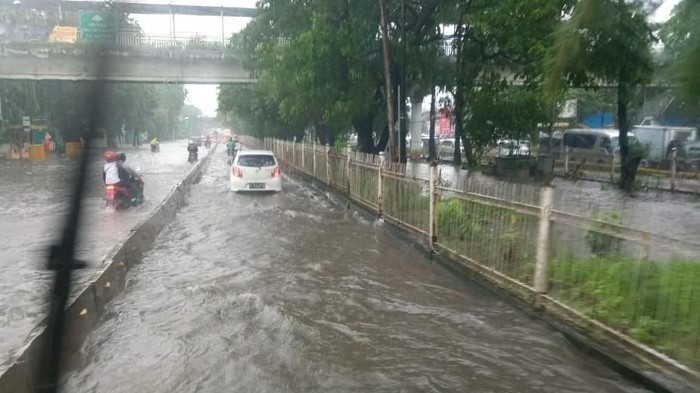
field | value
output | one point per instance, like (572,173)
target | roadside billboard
(67,34)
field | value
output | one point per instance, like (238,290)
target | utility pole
(387,83)
(402,102)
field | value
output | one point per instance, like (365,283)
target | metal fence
(137,39)
(564,251)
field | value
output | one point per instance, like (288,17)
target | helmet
(110,156)
(121,157)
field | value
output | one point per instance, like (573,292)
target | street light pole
(387,82)
(402,107)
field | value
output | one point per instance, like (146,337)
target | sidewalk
(33,200)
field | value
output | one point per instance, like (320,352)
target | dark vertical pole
(387,82)
(431,142)
(402,116)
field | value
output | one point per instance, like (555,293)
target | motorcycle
(119,198)
(193,157)
(155,147)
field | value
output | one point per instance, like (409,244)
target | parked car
(446,149)
(508,147)
(255,170)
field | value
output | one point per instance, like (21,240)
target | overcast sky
(204,96)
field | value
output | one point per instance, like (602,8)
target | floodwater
(33,201)
(292,293)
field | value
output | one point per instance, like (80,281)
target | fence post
(566,160)
(328,164)
(347,172)
(294,148)
(432,232)
(313,152)
(303,164)
(612,170)
(543,237)
(380,184)
(674,161)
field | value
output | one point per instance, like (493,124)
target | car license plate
(257,186)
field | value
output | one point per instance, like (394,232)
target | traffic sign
(97,25)
(26,121)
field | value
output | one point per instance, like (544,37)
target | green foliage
(653,302)
(681,37)
(66,106)
(486,44)
(408,201)
(491,235)
(604,40)
(498,111)
(602,244)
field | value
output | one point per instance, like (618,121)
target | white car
(255,170)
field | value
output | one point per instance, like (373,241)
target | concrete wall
(86,306)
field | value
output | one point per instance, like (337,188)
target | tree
(497,36)
(605,41)
(681,38)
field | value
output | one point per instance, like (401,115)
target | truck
(658,140)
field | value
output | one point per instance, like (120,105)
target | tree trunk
(416,127)
(383,140)
(457,154)
(326,136)
(363,126)
(432,154)
(628,162)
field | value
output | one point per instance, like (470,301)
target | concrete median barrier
(20,373)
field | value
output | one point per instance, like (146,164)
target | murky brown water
(289,293)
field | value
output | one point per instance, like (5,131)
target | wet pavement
(292,293)
(33,200)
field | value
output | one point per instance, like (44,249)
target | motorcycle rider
(230,145)
(133,175)
(193,150)
(114,174)
(154,145)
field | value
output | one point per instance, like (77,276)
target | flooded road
(290,293)
(33,201)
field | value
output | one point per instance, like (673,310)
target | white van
(592,145)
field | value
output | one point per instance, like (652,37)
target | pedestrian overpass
(132,56)
(126,64)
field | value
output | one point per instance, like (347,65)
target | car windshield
(357,168)
(256,160)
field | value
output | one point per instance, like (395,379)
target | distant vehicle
(196,140)
(659,139)
(446,149)
(508,147)
(255,170)
(595,145)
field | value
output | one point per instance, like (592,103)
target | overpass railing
(131,39)
(565,253)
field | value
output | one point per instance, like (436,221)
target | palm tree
(606,41)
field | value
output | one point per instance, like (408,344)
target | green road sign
(97,25)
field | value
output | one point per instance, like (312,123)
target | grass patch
(653,302)
(496,237)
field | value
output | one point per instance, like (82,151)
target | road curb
(20,374)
